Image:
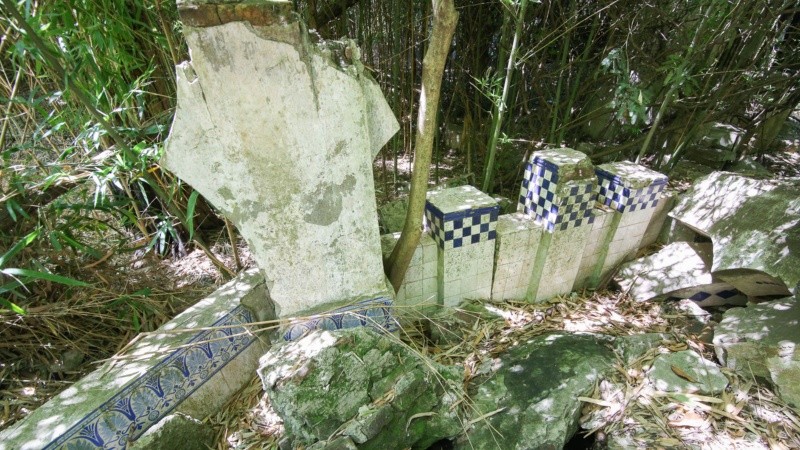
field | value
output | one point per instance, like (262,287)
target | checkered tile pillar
(558,192)
(632,192)
(463,222)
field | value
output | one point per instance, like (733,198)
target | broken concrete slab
(280,134)
(677,271)
(747,337)
(530,398)
(676,266)
(753,224)
(191,365)
(359,388)
(686,372)
(784,370)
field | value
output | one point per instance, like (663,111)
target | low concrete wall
(191,365)
(575,224)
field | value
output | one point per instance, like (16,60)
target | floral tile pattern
(149,398)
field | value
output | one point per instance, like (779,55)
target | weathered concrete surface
(358,388)
(763,340)
(674,267)
(191,365)
(688,372)
(280,135)
(753,224)
(531,399)
(515,249)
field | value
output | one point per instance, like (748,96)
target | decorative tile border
(613,192)
(147,399)
(375,313)
(459,228)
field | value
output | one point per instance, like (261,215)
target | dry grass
(67,330)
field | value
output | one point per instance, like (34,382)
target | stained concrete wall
(566,236)
(280,135)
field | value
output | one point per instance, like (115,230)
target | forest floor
(748,415)
(64,337)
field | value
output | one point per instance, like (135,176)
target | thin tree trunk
(497,119)
(445,18)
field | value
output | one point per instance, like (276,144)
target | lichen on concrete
(279,133)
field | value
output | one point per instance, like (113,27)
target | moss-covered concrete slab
(753,224)
(531,400)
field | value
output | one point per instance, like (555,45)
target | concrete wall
(575,224)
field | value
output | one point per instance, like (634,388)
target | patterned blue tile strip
(147,399)
(612,192)
(459,228)
(539,199)
(375,313)
(703,296)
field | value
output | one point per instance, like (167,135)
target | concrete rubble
(754,226)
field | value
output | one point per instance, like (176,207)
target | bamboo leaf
(190,213)
(24,242)
(33,274)
(677,371)
(12,306)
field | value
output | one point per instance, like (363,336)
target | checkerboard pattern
(556,207)
(711,295)
(459,228)
(613,192)
(375,313)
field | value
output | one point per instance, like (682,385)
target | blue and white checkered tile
(149,398)
(612,192)
(572,208)
(460,228)
(375,313)
(715,294)
(539,182)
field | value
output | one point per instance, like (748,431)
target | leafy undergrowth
(68,330)
(747,415)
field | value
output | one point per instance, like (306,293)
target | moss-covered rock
(531,401)
(360,388)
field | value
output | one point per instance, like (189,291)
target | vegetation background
(87,95)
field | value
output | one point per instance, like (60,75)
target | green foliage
(630,103)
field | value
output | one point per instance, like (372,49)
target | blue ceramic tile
(375,313)
(146,400)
